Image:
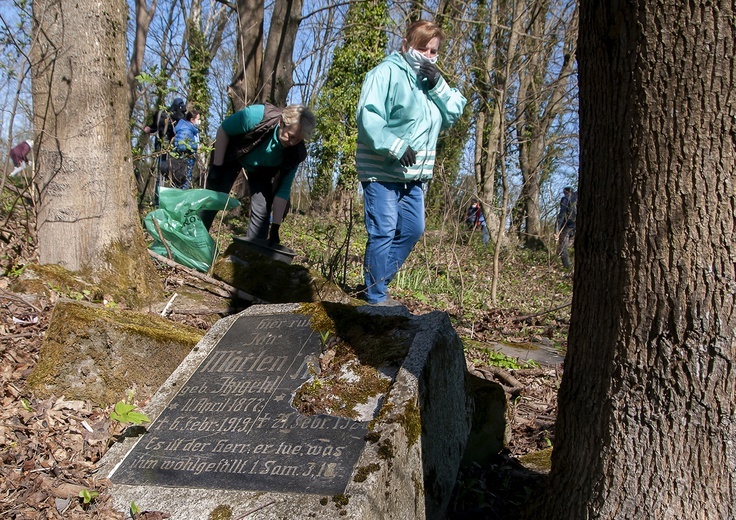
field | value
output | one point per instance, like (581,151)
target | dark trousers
(261,199)
(563,245)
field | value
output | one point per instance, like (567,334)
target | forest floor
(49,448)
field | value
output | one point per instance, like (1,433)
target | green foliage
(494,358)
(325,336)
(331,246)
(134,509)
(445,271)
(363,46)
(144,78)
(159,82)
(88,496)
(16,270)
(199,62)
(125,413)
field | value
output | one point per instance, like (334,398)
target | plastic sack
(180,227)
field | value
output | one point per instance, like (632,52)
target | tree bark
(647,404)
(143,17)
(496,67)
(248,54)
(543,86)
(277,68)
(87,217)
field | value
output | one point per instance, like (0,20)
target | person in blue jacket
(404,103)
(185,145)
(268,142)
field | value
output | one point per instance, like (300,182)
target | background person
(404,103)
(184,148)
(477,222)
(163,127)
(269,143)
(20,154)
(565,227)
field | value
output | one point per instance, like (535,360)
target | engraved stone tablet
(231,425)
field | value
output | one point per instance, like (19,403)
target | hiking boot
(388,302)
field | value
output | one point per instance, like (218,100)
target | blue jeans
(189,182)
(394,220)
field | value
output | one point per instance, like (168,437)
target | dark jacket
(568,212)
(164,121)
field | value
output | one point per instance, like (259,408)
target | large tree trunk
(646,425)
(248,54)
(143,17)
(277,68)
(87,214)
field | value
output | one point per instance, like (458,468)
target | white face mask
(415,58)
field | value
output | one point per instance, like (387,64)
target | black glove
(409,158)
(431,72)
(214,171)
(273,235)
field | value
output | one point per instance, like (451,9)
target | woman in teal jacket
(404,103)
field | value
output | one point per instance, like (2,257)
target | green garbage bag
(180,227)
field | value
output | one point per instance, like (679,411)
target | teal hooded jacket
(395,111)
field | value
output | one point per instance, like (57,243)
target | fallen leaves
(49,448)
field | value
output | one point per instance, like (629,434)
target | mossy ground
(91,352)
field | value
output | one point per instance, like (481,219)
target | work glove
(431,72)
(409,158)
(273,235)
(215,171)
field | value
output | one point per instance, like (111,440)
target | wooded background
(646,408)
(514,61)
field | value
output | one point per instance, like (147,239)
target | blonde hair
(302,117)
(421,32)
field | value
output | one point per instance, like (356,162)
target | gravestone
(225,441)
(231,425)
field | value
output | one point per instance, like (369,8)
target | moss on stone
(539,460)
(221,513)
(372,436)
(411,421)
(31,286)
(362,344)
(341,500)
(129,274)
(362,472)
(386,450)
(50,277)
(385,412)
(90,352)
(121,280)
(262,277)
(374,340)
(333,395)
